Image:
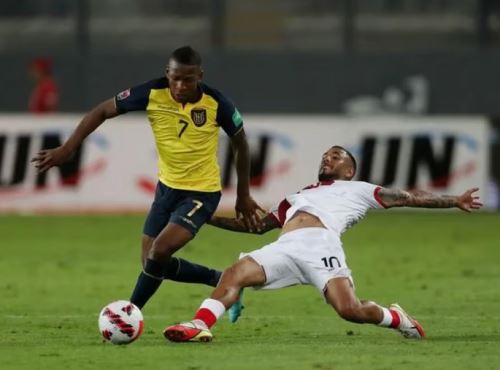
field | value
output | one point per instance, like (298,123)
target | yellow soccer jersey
(186,135)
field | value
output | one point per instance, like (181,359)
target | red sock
(209,311)
(390,318)
(396,320)
(207,316)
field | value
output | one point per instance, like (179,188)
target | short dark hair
(349,154)
(186,55)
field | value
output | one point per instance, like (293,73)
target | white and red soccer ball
(121,322)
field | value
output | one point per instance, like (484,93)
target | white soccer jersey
(338,204)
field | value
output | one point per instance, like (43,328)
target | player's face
(335,165)
(183,81)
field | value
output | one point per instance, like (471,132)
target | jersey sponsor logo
(237,120)
(199,117)
(123,95)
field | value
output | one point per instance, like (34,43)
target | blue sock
(148,282)
(184,271)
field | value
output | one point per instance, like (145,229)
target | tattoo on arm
(417,198)
(227,223)
(267,223)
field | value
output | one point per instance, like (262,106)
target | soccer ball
(121,322)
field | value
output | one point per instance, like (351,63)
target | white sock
(210,311)
(387,319)
(215,306)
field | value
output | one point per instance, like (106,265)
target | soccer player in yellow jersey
(185,115)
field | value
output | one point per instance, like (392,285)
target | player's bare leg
(244,273)
(340,294)
(172,238)
(147,244)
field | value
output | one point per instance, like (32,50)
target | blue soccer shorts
(190,209)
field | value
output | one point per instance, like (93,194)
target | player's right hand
(48,158)
(249,211)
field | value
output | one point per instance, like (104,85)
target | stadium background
(412,87)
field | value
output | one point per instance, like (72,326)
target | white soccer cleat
(191,331)
(408,326)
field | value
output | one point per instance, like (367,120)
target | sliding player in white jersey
(309,250)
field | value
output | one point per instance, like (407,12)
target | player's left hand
(248,210)
(467,201)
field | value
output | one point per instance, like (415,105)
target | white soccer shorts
(310,256)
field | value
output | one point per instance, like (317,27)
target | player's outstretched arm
(48,158)
(245,207)
(267,223)
(402,198)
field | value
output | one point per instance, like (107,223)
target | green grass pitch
(442,267)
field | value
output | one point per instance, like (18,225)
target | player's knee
(233,279)
(147,243)
(161,250)
(230,277)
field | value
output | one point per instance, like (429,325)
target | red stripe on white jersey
(282,208)
(377,197)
